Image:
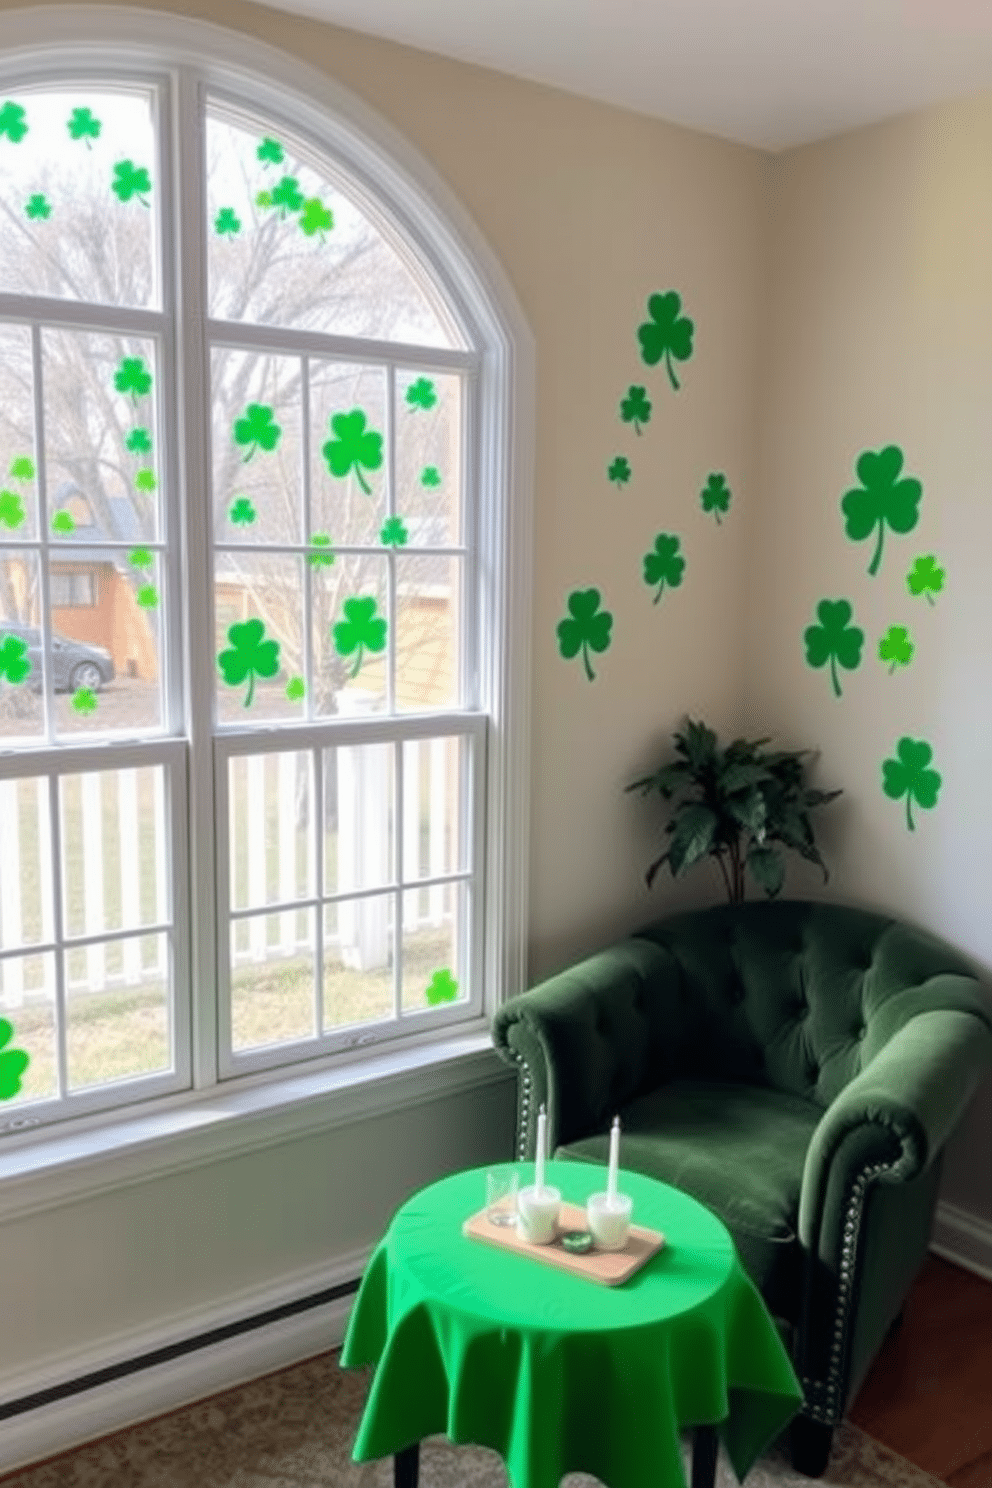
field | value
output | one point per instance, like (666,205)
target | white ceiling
(769,73)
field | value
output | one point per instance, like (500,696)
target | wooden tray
(608,1267)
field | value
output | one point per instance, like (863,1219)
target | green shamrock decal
(715,497)
(881,498)
(82,125)
(13,1063)
(316,218)
(145,481)
(619,471)
(241,512)
(147,597)
(666,334)
(664,565)
(585,629)
(353,447)
(393,533)
(37,207)
(133,377)
(139,442)
(287,196)
(835,639)
(256,428)
(635,408)
(22,468)
(296,689)
(896,647)
(251,656)
(132,180)
(63,523)
(140,558)
(421,394)
(227,221)
(11,509)
(263,199)
(12,122)
(430,477)
(270,152)
(321,557)
(14,661)
(84,700)
(361,629)
(908,776)
(442,987)
(926,578)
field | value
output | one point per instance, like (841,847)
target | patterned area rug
(295,1429)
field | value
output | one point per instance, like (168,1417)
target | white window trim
(94,1153)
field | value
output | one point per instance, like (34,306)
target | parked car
(74,663)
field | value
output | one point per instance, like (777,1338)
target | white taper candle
(611,1182)
(542,1138)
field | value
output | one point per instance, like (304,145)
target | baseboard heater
(174,1350)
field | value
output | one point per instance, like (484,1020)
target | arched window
(256,792)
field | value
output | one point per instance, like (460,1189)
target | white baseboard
(962,1238)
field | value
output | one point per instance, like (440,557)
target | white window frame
(49,43)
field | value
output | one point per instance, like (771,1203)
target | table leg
(406,1467)
(705,1443)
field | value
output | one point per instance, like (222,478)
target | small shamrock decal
(296,689)
(360,629)
(13,1063)
(393,533)
(715,497)
(287,196)
(84,700)
(11,509)
(256,428)
(38,207)
(145,481)
(147,597)
(430,477)
(353,447)
(22,468)
(82,125)
(12,122)
(227,221)
(834,639)
(421,394)
(664,565)
(896,647)
(315,217)
(133,377)
(139,442)
(666,334)
(132,180)
(241,512)
(635,408)
(619,471)
(881,498)
(442,987)
(585,629)
(63,523)
(14,661)
(270,152)
(321,557)
(907,775)
(140,558)
(926,578)
(263,199)
(250,655)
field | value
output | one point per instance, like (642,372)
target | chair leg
(810,1446)
(406,1467)
(705,1446)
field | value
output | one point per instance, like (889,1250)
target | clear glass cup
(501,1196)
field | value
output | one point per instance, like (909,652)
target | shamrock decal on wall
(82,125)
(256,428)
(421,394)
(360,630)
(132,180)
(132,376)
(666,334)
(13,1063)
(926,578)
(15,664)
(835,639)
(895,647)
(586,628)
(619,471)
(715,497)
(907,775)
(664,565)
(354,447)
(442,987)
(881,499)
(251,655)
(635,408)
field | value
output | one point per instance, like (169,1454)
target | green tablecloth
(557,1373)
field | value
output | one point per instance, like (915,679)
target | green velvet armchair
(797,1067)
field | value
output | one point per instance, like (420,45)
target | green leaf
(15,664)
(618,471)
(393,533)
(257,429)
(12,513)
(666,780)
(881,500)
(353,448)
(13,1063)
(315,217)
(666,334)
(421,394)
(360,630)
(84,700)
(588,628)
(38,207)
(251,655)
(664,565)
(321,556)
(768,866)
(12,123)
(133,377)
(442,987)
(834,639)
(132,180)
(907,775)
(270,152)
(925,577)
(430,477)
(82,125)
(895,647)
(227,221)
(715,497)
(635,408)
(241,512)
(692,838)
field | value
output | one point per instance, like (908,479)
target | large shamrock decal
(13,1063)
(251,655)
(359,631)
(926,578)
(12,122)
(635,408)
(14,662)
(442,987)
(666,334)
(355,446)
(256,428)
(715,497)
(587,628)
(664,565)
(835,639)
(132,376)
(81,125)
(907,775)
(881,498)
(895,647)
(132,180)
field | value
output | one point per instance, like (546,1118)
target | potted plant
(741,805)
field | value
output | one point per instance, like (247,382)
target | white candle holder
(537,1214)
(608,1218)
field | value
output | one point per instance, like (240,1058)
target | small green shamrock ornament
(619,471)
(84,700)
(22,468)
(296,689)
(13,1063)
(257,429)
(715,497)
(315,218)
(251,656)
(664,565)
(287,196)
(133,377)
(82,125)
(12,513)
(430,477)
(585,628)
(442,987)
(38,207)
(147,597)
(132,180)
(63,523)
(393,533)
(140,558)
(270,152)
(895,647)
(15,664)
(241,512)
(926,578)
(834,639)
(881,499)
(321,555)
(667,334)
(139,442)
(354,447)
(144,480)
(421,394)
(907,775)
(12,123)
(635,408)
(360,630)
(227,221)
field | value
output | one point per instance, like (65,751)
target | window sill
(61,1167)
